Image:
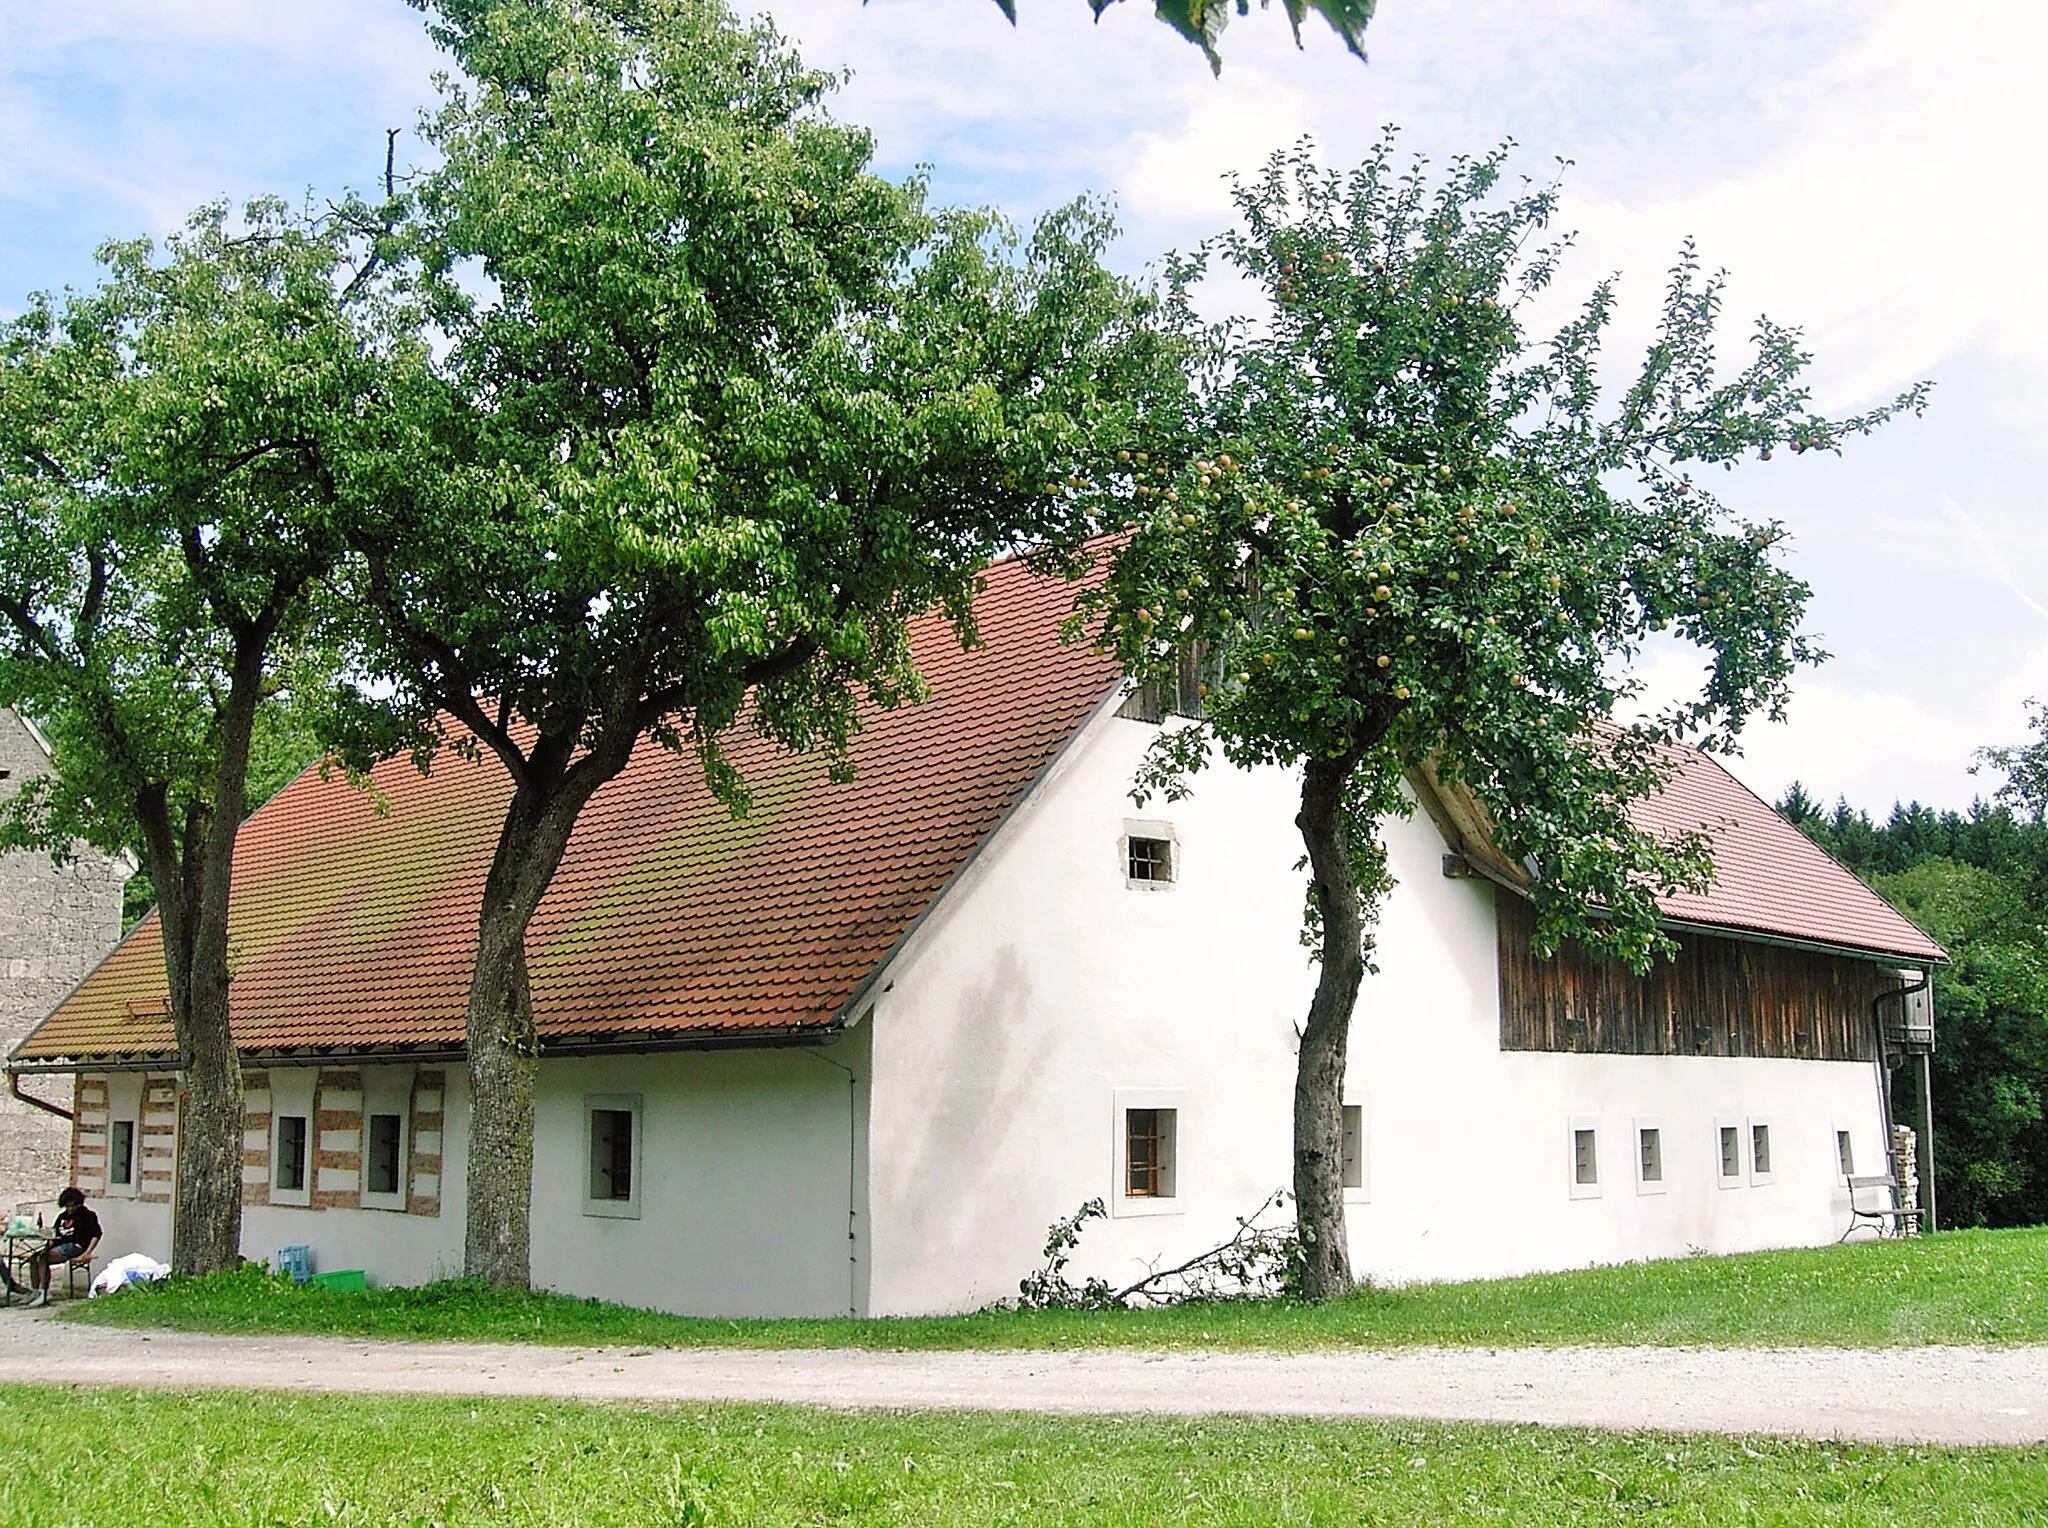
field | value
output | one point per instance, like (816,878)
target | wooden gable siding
(1720,997)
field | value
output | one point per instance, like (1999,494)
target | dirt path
(1933,1395)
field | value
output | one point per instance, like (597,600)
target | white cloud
(1867,169)
(1871,745)
(1183,174)
(1893,217)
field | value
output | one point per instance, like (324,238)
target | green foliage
(2024,765)
(1991,1068)
(180,450)
(169,452)
(1977,881)
(1399,519)
(1958,1287)
(722,409)
(80,1455)
(1047,1286)
(1201,22)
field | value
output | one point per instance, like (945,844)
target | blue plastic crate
(296,1261)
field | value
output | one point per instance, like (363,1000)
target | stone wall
(56,924)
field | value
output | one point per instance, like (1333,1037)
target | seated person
(74,1236)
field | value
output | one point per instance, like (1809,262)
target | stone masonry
(56,924)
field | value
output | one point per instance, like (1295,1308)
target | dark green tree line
(1978,881)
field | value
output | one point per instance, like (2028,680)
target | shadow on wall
(964,1153)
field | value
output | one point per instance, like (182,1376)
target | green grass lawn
(82,1456)
(1962,1286)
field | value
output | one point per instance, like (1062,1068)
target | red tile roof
(1770,878)
(355,930)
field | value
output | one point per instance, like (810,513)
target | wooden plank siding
(1719,997)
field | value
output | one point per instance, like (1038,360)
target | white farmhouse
(856,1050)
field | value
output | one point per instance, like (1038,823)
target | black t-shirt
(78,1225)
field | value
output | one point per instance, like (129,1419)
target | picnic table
(19,1243)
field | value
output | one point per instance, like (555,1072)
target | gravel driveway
(1933,1395)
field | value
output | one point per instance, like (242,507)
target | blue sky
(1867,169)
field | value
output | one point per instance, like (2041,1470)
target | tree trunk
(504,1053)
(193,876)
(503,1041)
(1325,1040)
(207,1228)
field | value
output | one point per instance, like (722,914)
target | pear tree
(1411,535)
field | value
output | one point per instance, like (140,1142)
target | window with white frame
(383,1153)
(1151,854)
(1148,1152)
(1649,1157)
(288,1163)
(1759,1151)
(1352,1151)
(121,1153)
(1585,1158)
(124,1133)
(387,1118)
(1147,1160)
(291,1135)
(1728,1152)
(611,1132)
(1845,1155)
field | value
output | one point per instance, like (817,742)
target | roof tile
(1770,878)
(356,929)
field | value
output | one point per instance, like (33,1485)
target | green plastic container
(342,1280)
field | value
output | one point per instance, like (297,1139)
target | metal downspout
(852,1185)
(1884,1081)
(14,1092)
(1927,1093)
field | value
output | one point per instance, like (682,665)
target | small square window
(1148,1153)
(383,1166)
(1728,1145)
(1353,1151)
(1145,1143)
(1585,1158)
(121,1153)
(1151,859)
(1650,1154)
(612,1137)
(1845,1154)
(288,1167)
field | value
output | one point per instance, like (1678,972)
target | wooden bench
(1882,1215)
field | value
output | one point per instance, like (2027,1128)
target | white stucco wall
(1044,985)
(977,1100)
(749,1163)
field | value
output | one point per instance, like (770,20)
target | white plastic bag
(134,1268)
